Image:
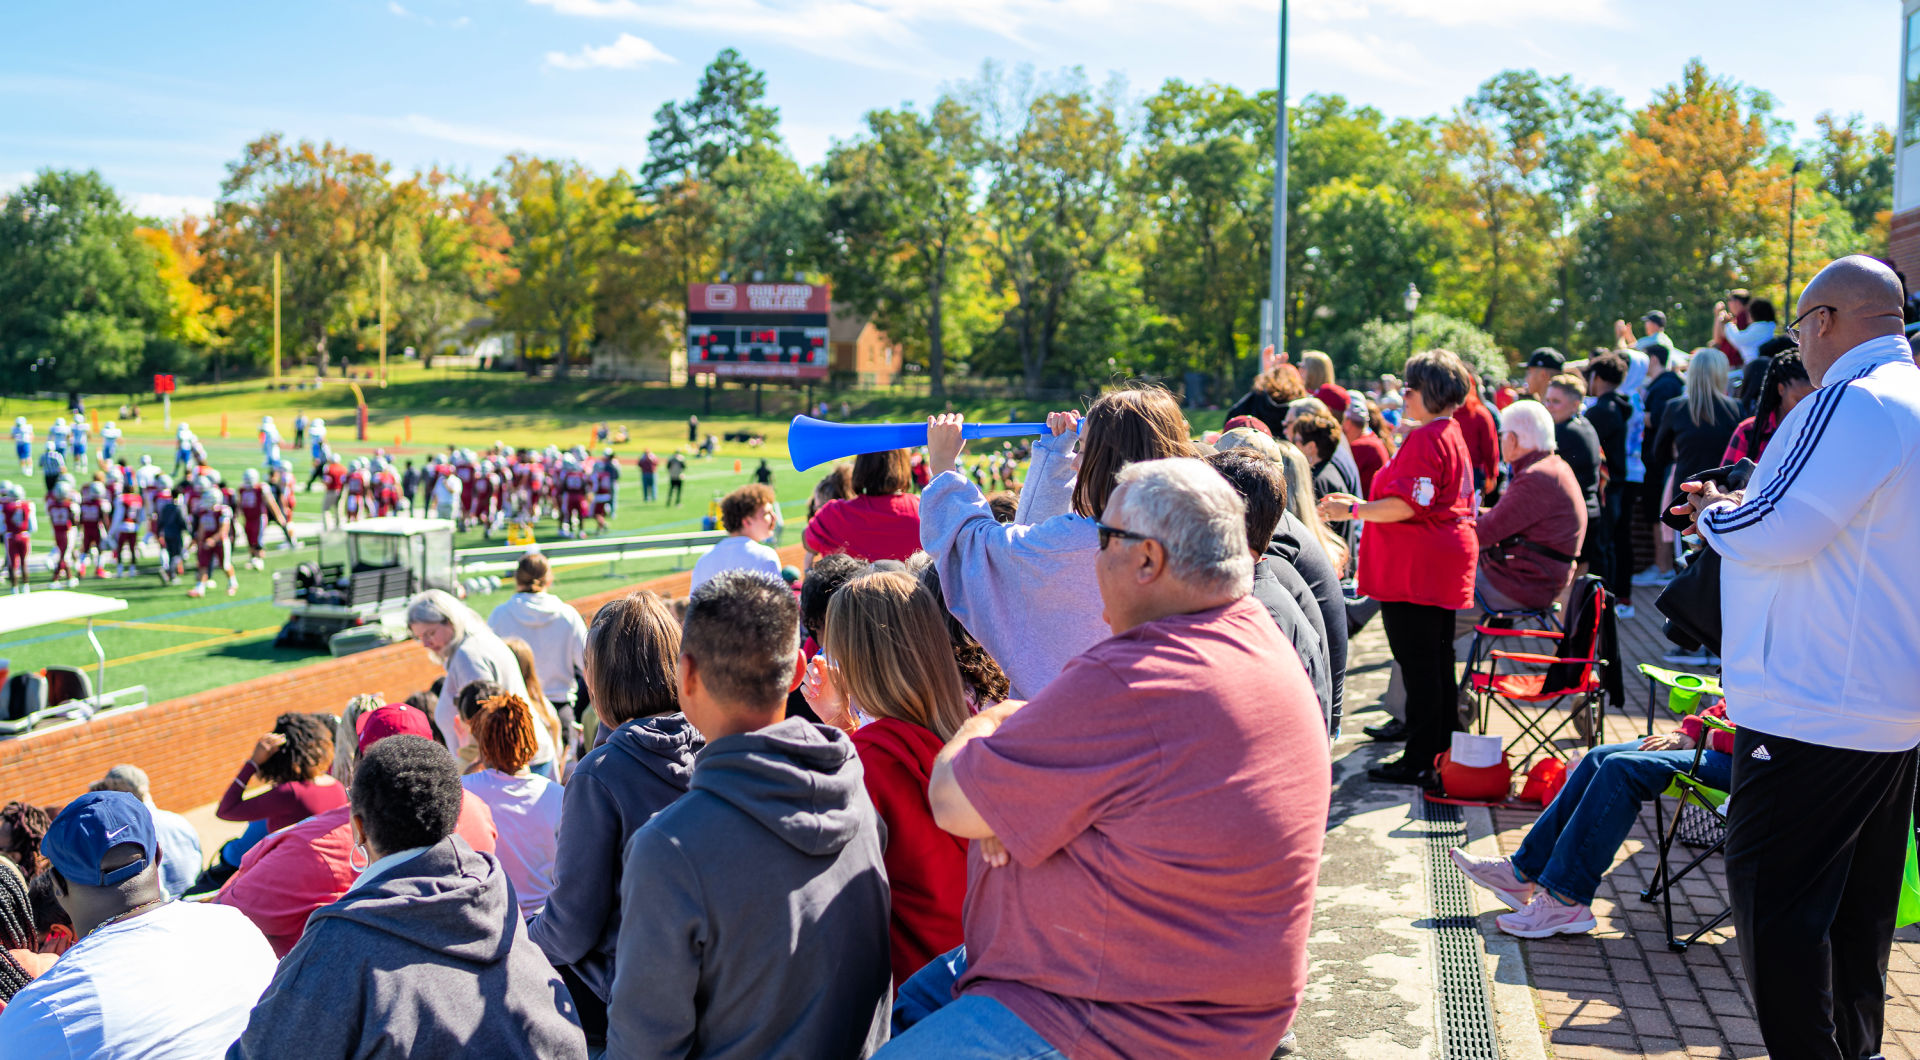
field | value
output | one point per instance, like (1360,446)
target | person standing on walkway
(1419,557)
(1819,628)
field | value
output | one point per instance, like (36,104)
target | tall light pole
(1277,284)
(1793,189)
(1412,302)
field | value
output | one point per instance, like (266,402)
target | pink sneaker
(1496,875)
(1547,915)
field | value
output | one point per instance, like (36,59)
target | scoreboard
(774,331)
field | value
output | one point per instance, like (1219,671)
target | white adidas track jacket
(1820,592)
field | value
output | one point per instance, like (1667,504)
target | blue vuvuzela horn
(813,442)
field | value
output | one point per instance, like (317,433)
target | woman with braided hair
(525,805)
(20,958)
(22,825)
(1785,385)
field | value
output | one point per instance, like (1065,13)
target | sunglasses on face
(1108,533)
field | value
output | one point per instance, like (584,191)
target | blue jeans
(236,848)
(1572,844)
(929,1022)
(647,490)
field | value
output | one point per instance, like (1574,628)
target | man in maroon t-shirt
(1141,881)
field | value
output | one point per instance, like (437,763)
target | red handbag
(1484,783)
(1544,781)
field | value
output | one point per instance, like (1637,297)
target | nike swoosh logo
(118,830)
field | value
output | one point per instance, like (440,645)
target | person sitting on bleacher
(1550,881)
(294,872)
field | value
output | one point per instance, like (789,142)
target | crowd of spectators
(955,790)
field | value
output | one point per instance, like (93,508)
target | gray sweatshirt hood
(664,745)
(449,900)
(535,610)
(797,779)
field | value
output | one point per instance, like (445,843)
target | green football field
(176,645)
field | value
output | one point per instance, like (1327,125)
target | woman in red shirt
(293,758)
(891,673)
(881,521)
(1417,556)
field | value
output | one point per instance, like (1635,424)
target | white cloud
(167,207)
(907,35)
(1365,54)
(626,52)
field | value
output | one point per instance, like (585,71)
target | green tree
(1562,131)
(328,211)
(1696,203)
(1855,166)
(1373,205)
(1054,165)
(1205,176)
(83,302)
(1381,346)
(561,218)
(450,257)
(719,180)
(900,220)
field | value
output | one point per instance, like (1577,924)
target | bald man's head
(1856,285)
(1851,301)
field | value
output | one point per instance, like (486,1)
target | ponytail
(505,733)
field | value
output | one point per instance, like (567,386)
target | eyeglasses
(1793,329)
(1108,533)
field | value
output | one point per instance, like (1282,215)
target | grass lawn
(178,646)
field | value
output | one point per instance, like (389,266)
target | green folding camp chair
(1684,694)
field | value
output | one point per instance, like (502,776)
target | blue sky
(159,97)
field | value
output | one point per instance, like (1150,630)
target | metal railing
(576,551)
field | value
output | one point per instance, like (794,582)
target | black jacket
(1609,416)
(1257,404)
(1659,393)
(1579,445)
(1688,448)
(1292,542)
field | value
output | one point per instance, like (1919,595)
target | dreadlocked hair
(16,929)
(504,730)
(1786,367)
(29,824)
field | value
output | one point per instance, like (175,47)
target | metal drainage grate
(1460,977)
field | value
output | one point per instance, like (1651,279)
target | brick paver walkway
(1617,992)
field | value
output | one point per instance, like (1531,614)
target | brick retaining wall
(191,746)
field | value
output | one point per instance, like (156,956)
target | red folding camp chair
(1533,697)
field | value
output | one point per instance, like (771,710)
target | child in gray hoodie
(754,910)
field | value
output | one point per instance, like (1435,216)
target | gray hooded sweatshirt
(642,768)
(760,902)
(1027,591)
(428,959)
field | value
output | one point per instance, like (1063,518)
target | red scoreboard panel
(772,331)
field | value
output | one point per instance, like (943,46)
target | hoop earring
(356,849)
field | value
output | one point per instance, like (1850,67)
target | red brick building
(1905,250)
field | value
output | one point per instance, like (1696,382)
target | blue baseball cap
(93,824)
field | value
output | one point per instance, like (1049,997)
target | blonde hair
(1706,379)
(346,736)
(889,640)
(1316,370)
